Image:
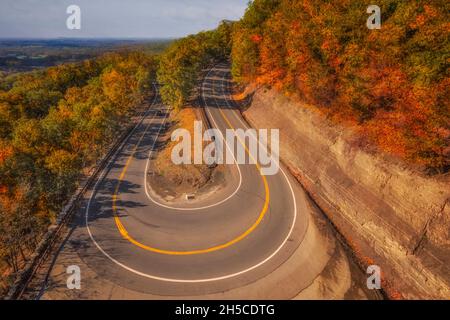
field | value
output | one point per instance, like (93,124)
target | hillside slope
(392,216)
(391,85)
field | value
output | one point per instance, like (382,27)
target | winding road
(252,239)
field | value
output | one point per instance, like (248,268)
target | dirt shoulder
(170,182)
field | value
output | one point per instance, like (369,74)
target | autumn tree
(181,64)
(53,123)
(388,84)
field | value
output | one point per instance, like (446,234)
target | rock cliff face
(391,215)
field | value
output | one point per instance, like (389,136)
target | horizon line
(88,38)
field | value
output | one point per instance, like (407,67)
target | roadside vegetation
(53,124)
(174,180)
(390,85)
(182,63)
(181,67)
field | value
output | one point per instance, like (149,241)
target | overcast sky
(115,18)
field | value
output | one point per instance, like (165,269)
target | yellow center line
(126,236)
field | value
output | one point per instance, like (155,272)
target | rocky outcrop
(391,215)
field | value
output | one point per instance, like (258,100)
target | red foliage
(256,38)
(396,96)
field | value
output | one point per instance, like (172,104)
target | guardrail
(45,246)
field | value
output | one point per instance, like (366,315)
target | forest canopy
(391,85)
(54,123)
(182,63)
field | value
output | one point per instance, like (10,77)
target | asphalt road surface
(254,229)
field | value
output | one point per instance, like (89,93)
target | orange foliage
(256,38)
(6,151)
(391,85)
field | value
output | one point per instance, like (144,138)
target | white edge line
(182,280)
(195,208)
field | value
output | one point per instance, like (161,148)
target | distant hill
(18,55)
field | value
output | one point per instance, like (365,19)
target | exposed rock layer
(391,215)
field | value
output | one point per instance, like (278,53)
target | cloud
(116,18)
